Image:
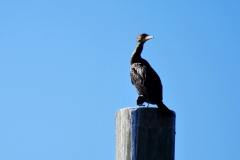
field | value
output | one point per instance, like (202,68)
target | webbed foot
(140,100)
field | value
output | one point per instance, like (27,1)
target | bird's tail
(164,109)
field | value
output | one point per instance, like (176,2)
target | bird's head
(142,38)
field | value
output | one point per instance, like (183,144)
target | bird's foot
(140,100)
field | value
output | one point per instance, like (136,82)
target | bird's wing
(138,74)
(146,79)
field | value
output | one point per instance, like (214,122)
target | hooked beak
(148,37)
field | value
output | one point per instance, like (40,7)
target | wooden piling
(144,134)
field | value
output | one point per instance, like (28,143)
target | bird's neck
(136,55)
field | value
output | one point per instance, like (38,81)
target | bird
(146,81)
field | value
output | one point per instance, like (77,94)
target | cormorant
(145,79)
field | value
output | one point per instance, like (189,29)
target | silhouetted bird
(145,79)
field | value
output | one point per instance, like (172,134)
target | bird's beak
(148,37)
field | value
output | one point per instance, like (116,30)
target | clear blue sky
(64,69)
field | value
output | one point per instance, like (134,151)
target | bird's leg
(140,100)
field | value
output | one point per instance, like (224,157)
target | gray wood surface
(144,134)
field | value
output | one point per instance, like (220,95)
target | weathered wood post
(144,134)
